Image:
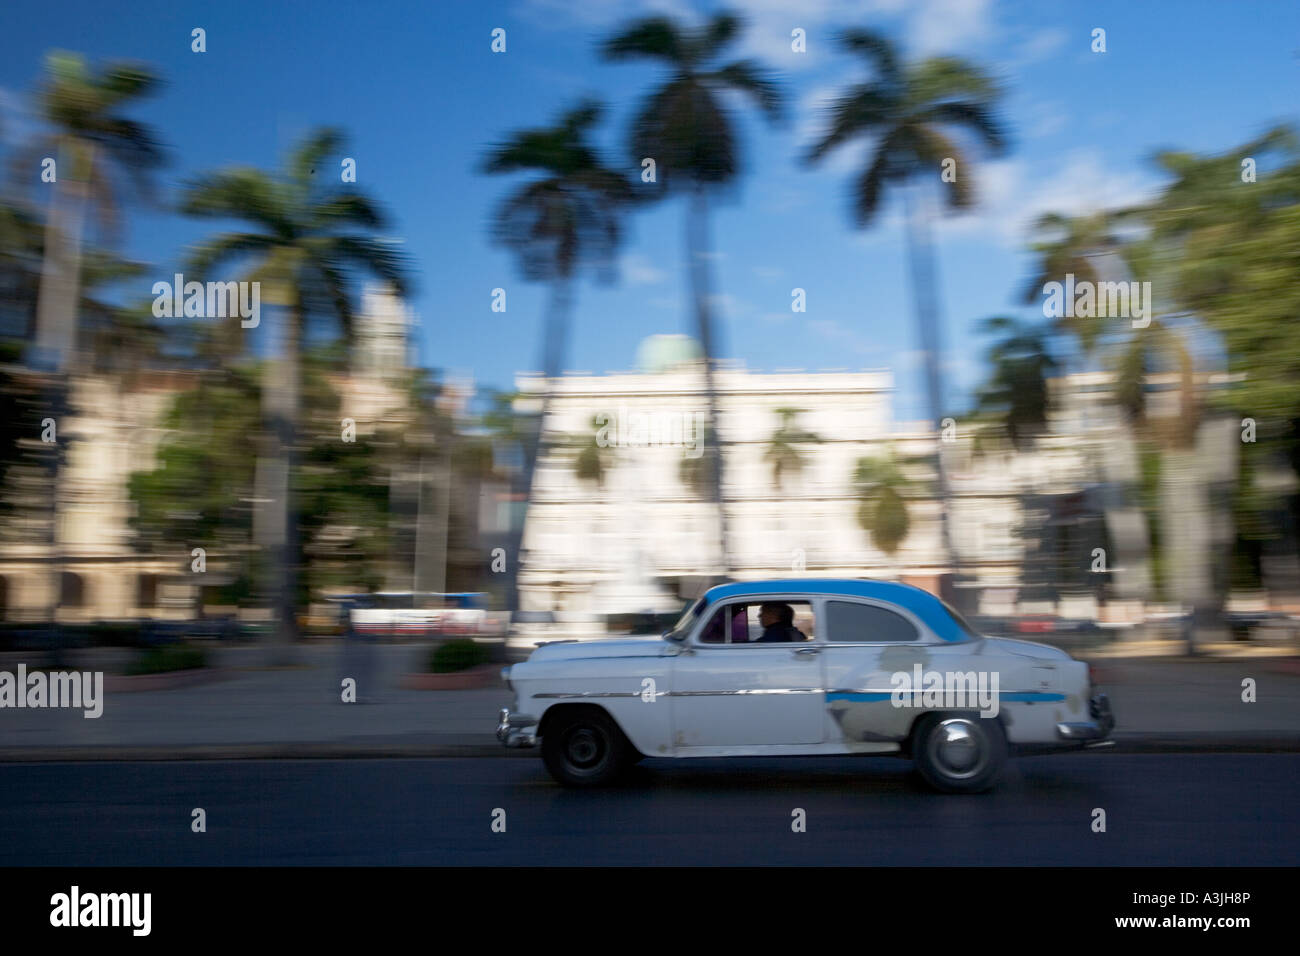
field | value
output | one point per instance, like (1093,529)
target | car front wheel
(585,749)
(959,753)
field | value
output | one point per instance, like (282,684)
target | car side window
(727,626)
(851,622)
(781,622)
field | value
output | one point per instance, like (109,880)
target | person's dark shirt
(782,634)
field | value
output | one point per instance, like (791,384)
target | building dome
(660,353)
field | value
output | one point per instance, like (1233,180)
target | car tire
(585,749)
(959,752)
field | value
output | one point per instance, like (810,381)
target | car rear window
(847,621)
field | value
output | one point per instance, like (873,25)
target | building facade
(641,536)
(89,566)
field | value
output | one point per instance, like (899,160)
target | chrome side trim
(751,691)
(758,691)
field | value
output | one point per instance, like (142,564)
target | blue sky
(421,97)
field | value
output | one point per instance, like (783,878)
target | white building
(635,540)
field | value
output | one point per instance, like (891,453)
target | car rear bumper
(1091,733)
(515,730)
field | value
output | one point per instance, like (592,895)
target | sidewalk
(249,711)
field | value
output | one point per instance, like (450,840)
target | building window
(72,590)
(147,590)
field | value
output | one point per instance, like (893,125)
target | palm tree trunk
(56,334)
(554,343)
(56,311)
(697,250)
(277,533)
(925,289)
(432,523)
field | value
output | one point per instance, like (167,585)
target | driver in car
(778,625)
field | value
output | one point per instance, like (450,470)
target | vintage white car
(804,667)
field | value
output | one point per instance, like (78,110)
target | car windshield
(689,614)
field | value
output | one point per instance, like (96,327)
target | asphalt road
(1186,809)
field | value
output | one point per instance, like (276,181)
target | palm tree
(882,509)
(305,241)
(89,137)
(908,111)
(1068,245)
(685,128)
(567,218)
(1017,395)
(782,451)
(590,457)
(431,447)
(695,471)
(92,141)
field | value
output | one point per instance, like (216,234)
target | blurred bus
(407,614)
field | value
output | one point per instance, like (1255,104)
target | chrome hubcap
(584,747)
(959,748)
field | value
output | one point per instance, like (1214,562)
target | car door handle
(807,651)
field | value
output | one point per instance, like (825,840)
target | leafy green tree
(684,126)
(200,493)
(911,113)
(1230,245)
(1233,250)
(1075,246)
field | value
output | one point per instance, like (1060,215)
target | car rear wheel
(959,753)
(585,749)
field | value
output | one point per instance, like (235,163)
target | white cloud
(1080,183)
(842,336)
(638,269)
(560,14)
(1042,118)
(771,22)
(947,26)
(1040,45)
(728,306)
(671,303)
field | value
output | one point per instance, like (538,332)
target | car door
(867,642)
(746,695)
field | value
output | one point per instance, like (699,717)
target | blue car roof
(923,604)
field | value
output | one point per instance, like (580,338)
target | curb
(474,678)
(1117,670)
(302,751)
(167,680)
(487,746)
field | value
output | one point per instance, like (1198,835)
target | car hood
(603,647)
(1026,649)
